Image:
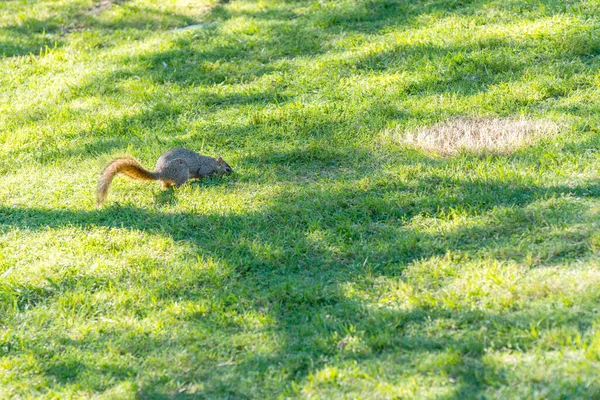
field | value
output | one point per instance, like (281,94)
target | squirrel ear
(219,160)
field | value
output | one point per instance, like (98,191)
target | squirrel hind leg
(170,184)
(175,173)
(183,172)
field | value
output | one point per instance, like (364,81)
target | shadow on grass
(32,35)
(242,58)
(292,259)
(363,233)
(213,56)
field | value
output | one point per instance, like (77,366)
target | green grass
(336,262)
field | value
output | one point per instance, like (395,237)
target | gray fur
(199,166)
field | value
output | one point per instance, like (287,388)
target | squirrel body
(173,168)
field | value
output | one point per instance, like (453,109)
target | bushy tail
(126,165)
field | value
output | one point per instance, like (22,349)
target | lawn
(339,260)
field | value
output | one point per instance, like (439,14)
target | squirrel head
(223,167)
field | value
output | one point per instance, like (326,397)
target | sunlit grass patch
(413,213)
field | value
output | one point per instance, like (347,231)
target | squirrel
(174,167)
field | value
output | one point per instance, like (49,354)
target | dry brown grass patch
(480,135)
